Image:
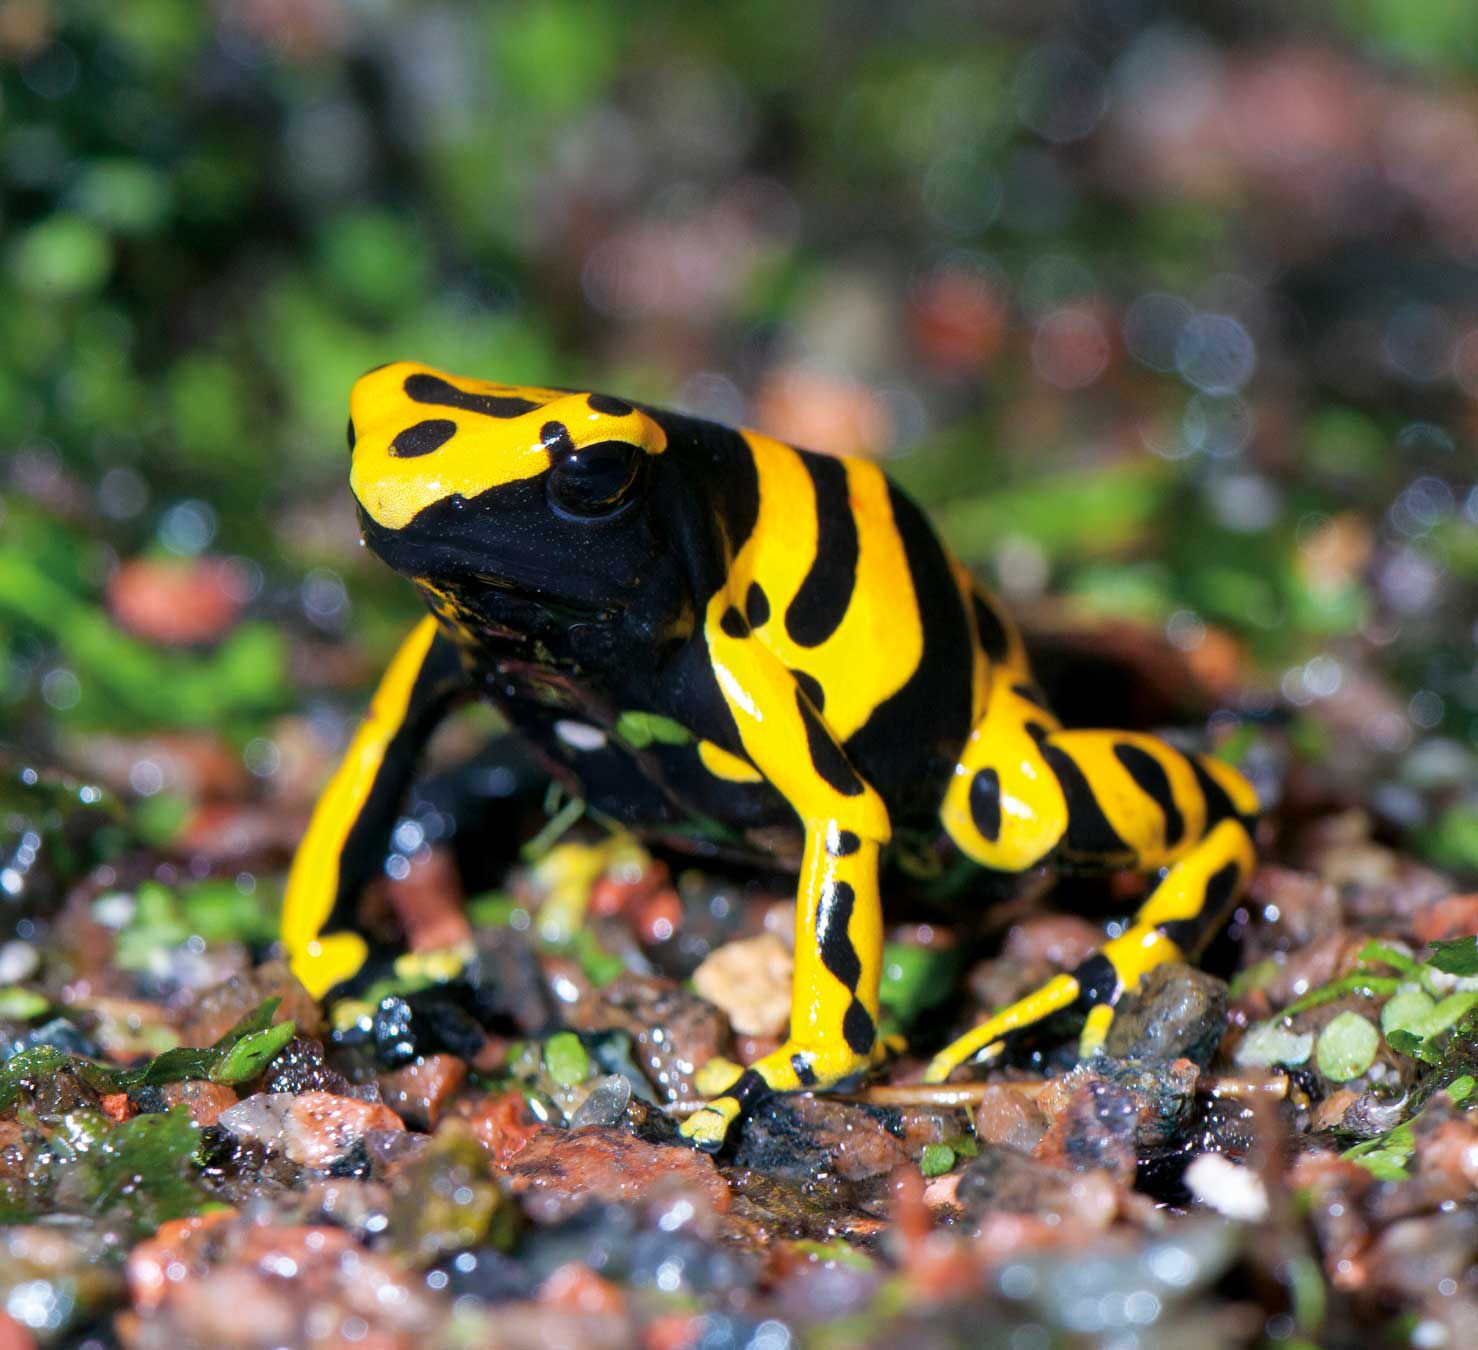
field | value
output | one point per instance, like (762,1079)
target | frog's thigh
(1004,807)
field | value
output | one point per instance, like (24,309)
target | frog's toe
(716,1076)
(708,1126)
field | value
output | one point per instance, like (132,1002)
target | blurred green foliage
(1133,299)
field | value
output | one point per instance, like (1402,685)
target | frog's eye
(595,480)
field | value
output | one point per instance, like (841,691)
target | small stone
(558,1171)
(501,1124)
(313,1129)
(674,1031)
(1228,1188)
(1094,1131)
(1177,1012)
(750,980)
(205,1101)
(1009,1118)
(299,1067)
(221,1007)
(419,1092)
(605,1105)
(447,1199)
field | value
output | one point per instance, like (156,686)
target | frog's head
(468,484)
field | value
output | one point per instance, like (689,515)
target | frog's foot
(986,1041)
(733,1090)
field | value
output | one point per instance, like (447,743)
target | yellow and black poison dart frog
(840,679)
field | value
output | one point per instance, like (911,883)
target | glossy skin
(828,681)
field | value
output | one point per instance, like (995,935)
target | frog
(732,644)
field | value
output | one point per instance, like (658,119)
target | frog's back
(837,572)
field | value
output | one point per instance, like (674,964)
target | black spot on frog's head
(499,489)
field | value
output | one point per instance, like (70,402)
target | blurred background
(1166,311)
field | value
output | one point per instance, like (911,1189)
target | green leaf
(21,1005)
(566,1060)
(145,1168)
(1411,1045)
(61,257)
(1407,1010)
(1270,1043)
(936,1160)
(252,1053)
(916,978)
(1460,1089)
(1389,956)
(599,965)
(1347,1047)
(840,1252)
(1457,956)
(28,1067)
(1358,983)
(641,729)
(258,1019)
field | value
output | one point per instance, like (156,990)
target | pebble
(310,1128)
(750,980)
(558,1171)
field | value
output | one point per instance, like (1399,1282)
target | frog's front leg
(346,840)
(839,928)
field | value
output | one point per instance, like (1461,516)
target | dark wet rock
(424,1023)
(674,1031)
(651,1124)
(1178,1012)
(61,1034)
(1163,1096)
(768,1208)
(1094,1131)
(558,1171)
(507,983)
(1216,1125)
(805,1136)
(622,1243)
(57,1092)
(420,1091)
(300,1067)
(484,1273)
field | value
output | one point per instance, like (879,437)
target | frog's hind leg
(1025,792)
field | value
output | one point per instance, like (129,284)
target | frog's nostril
(423,438)
(351,435)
